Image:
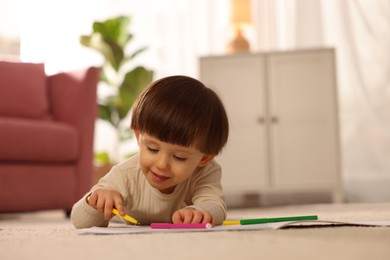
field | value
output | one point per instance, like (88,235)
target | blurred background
(178,32)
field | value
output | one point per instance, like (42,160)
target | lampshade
(241,12)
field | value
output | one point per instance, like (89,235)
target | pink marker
(179,226)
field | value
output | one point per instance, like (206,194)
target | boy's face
(166,165)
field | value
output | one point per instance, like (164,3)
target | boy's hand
(192,216)
(104,200)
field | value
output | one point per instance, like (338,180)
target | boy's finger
(176,218)
(197,217)
(206,218)
(118,204)
(91,200)
(186,216)
(100,204)
(108,210)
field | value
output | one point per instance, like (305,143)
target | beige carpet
(49,235)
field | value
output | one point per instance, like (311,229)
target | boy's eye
(182,159)
(152,149)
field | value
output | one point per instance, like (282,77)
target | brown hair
(182,111)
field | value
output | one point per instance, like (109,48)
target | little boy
(180,126)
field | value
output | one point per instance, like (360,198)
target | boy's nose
(162,162)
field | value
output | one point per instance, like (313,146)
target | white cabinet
(282,109)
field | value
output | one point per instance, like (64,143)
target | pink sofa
(46,136)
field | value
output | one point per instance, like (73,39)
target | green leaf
(114,30)
(133,83)
(115,56)
(110,38)
(105,113)
(102,158)
(109,52)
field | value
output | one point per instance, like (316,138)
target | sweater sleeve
(208,194)
(85,216)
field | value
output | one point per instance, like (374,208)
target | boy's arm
(208,194)
(85,216)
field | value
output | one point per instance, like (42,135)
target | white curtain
(177,32)
(360,30)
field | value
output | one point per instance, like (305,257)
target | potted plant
(111,38)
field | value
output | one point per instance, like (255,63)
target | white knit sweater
(202,191)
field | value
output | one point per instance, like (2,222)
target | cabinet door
(239,81)
(303,105)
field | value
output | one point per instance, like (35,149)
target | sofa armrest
(73,101)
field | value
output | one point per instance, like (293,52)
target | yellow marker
(231,222)
(127,217)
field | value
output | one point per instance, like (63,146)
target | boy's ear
(205,160)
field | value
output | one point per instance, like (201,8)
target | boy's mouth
(159,178)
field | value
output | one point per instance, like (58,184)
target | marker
(179,226)
(281,219)
(126,217)
(231,222)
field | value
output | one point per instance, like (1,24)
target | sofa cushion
(23,91)
(37,141)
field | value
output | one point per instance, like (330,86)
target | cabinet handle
(260,120)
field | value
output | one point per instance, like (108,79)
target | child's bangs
(172,126)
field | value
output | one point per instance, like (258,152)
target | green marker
(281,219)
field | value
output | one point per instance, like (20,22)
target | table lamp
(240,18)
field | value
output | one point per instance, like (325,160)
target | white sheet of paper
(128,229)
